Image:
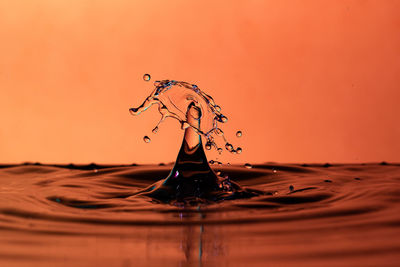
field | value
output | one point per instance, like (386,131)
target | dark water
(311,215)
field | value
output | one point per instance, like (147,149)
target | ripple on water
(50,201)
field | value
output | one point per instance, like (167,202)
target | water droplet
(147,77)
(217,108)
(155,130)
(248,166)
(239,150)
(208,145)
(239,134)
(146,139)
(228,147)
(274,171)
(224,119)
(291,188)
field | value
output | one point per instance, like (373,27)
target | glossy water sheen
(315,215)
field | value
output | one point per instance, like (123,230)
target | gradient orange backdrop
(306,81)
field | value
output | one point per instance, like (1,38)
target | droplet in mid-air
(248,166)
(208,145)
(155,130)
(146,139)
(239,134)
(238,150)
(229,147)
(147,77)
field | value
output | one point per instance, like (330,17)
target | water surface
(310,215)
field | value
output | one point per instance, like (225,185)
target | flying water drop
(239,134)
(146,139)
(147,77)
(229,147)
(208,146)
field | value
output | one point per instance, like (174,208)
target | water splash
(191,178)
(147,77)
(173,97)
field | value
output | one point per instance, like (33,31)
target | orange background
(306,81)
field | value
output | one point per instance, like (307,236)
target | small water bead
(217,108)
(248,166)
(146,139)
(239,134)
(228,147)
(239,150)
(208,145)
(155,130)
(147,77)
